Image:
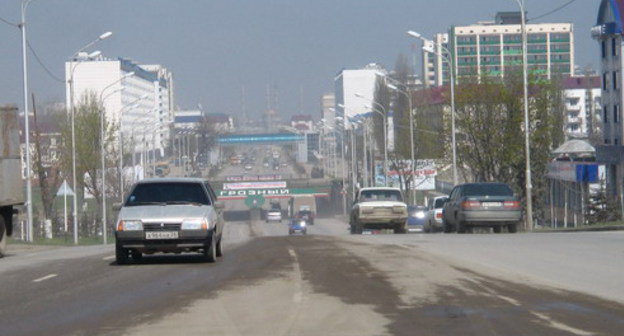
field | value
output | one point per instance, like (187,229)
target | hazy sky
(214,47)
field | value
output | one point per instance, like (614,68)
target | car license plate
(492,204)
(161,235)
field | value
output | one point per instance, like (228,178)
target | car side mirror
(219,205)
(117,206)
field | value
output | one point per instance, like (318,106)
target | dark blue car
(417,216)
(297,226)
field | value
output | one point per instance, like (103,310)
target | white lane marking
(49,276)
(109,258)
(561,326)
(510,300)
(298,295)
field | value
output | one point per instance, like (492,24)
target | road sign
(65,190)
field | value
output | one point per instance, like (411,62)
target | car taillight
(438,215)
(470,204)
(511,204)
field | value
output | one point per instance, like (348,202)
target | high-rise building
(495,48)
(328,112)
(355,90)
(582,107)
(435,67)
(141,104)
(608,32)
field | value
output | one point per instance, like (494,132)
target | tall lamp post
(131,105)
(73,124)
(102,153)
(385,135)
(411,121)
(29,213)
(385,127)
(528,185)
(428,47)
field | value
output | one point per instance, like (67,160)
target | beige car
(378,209)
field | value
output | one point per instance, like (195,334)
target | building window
(616,141)
(616,114)
(605,114)
(613,47)
(604,81)
(614,78)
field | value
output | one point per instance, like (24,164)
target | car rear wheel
(400,229)
(461,227)
(446,226)
(497,228)
(210,252)
(512,228)
(122,255)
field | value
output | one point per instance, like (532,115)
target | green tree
(490,126)
(87,121)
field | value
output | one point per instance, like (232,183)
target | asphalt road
(325,283)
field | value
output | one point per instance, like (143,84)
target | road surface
(325,283)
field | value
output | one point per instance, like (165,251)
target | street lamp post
(385,135)
(102,153)
(29,214)
(131,105)
(411,121)
(528,185)
(449,58)
(73,124)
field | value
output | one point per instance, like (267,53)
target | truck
(302,204)
(378,209)
(11,184)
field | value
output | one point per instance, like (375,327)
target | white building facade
(582,107)
(435,67)
(355,90)
(137,98)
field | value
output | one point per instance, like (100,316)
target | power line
(43,65)
(9,23)
(553,11)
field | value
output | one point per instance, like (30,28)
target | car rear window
(162,192)
(439,203)
(380,195)
(487,189)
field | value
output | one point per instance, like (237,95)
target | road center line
(49,276)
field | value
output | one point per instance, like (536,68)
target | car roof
(484,183)
(173,180)
(380,188)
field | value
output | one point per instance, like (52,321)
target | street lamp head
(392,87)
(105,35)
(129,74)
(341,105)
(94,54)
(359,95)
(428,48)
(414,34)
